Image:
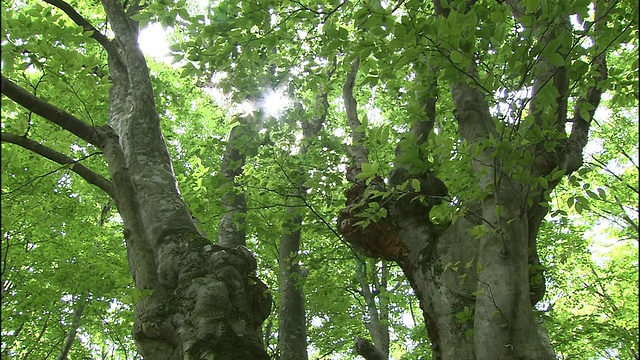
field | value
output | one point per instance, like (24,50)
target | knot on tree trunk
(416,194)
(365,224)
(372,212)
(211,296)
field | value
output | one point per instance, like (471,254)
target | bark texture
(368,351)
(231,230)
(205,302)
(73,328)
(292,330)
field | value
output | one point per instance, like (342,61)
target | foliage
(591,249)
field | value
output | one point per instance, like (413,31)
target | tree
(200,300)
(486,107)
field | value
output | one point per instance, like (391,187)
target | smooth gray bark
(205,302)
(231,231)
(292,329)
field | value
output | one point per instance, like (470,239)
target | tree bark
(292,329)
(231,231)
(205,302)
(368,351)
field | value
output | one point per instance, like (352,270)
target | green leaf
(602,194)
(456,57)
(415,184)
(556,59)
(497,16)
(543,182)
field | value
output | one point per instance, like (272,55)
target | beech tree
(433,137)
(204,300)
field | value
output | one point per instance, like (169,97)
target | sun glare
(275,103)
(153,42)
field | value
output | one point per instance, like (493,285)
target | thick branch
(426,97)
(358,152)
(90,176)
(135,122)
(126,34)
(472,110)
(49,112)
(231,231)
(73,328)
(292,333)
(377,326)
(81,21)
(471,107)
(426,93)
(366,349)
(310,129)
(580,129)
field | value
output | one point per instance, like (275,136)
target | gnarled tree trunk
(472,276)
(205,302)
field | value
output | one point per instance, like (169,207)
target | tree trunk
(197,300)
(73,328)
(377,322)
(472,276)
(200,300)
(231,230)
(292,329)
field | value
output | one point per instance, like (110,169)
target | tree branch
(84,172)
(73,328)
(625,216)
(426,93)
(580,129)
(231,230)
(49,112)
(358,152)
(605,168)
(311,128)
(81,21)
(366,349)
(126,34)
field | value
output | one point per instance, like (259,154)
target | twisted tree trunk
(479,277)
